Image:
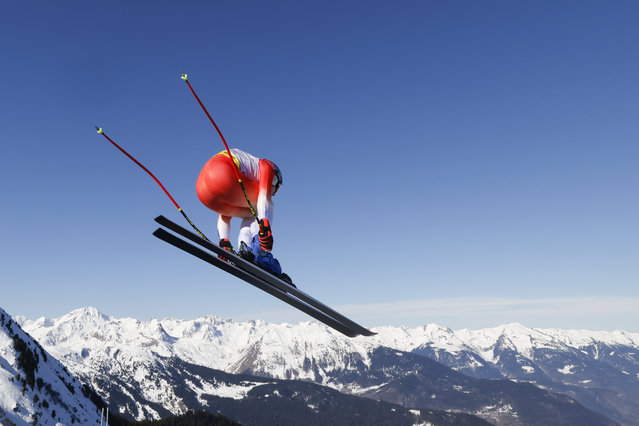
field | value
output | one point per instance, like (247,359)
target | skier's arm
(265,205)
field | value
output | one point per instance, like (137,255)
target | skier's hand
(265,235)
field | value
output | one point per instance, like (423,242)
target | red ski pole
(219,132)
(101,132)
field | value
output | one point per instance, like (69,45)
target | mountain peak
(87,312)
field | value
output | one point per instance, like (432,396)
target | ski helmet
(277,179)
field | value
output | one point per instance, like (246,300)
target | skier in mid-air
(218,189)
(230,183)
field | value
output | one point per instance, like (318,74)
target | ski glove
(265,235)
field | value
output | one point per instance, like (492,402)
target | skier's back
(217,188)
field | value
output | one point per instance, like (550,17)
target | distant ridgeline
(156,369)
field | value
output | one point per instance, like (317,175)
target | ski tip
(99,129)
(184,76)
(365,332)
(369,334)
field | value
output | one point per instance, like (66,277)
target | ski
(251,279)
(256,271)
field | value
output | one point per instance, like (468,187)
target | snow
(87,341)
(567,369)
(359,390)
(222,344)
(581,338)
(494,412)
(21,403)
(280,349)
(418,414)
(222,390)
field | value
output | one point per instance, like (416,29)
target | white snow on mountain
(34,387)
(101,350)
(566,369)
(85,337)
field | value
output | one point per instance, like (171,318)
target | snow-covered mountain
(34,387)
(120,357)
(598,369)
(145,384)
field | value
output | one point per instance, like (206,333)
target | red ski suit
(218,189)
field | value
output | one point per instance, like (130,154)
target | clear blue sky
(435,154)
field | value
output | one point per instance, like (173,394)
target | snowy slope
(34,387)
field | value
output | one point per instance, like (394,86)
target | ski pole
(101,132)
(219,132)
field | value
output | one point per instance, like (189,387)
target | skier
(218,189)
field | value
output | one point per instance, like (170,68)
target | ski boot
(265,260)
(226,245)
(246,252)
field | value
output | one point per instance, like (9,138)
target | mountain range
(27,382)
(504,375)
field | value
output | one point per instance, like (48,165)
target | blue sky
(436,156)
